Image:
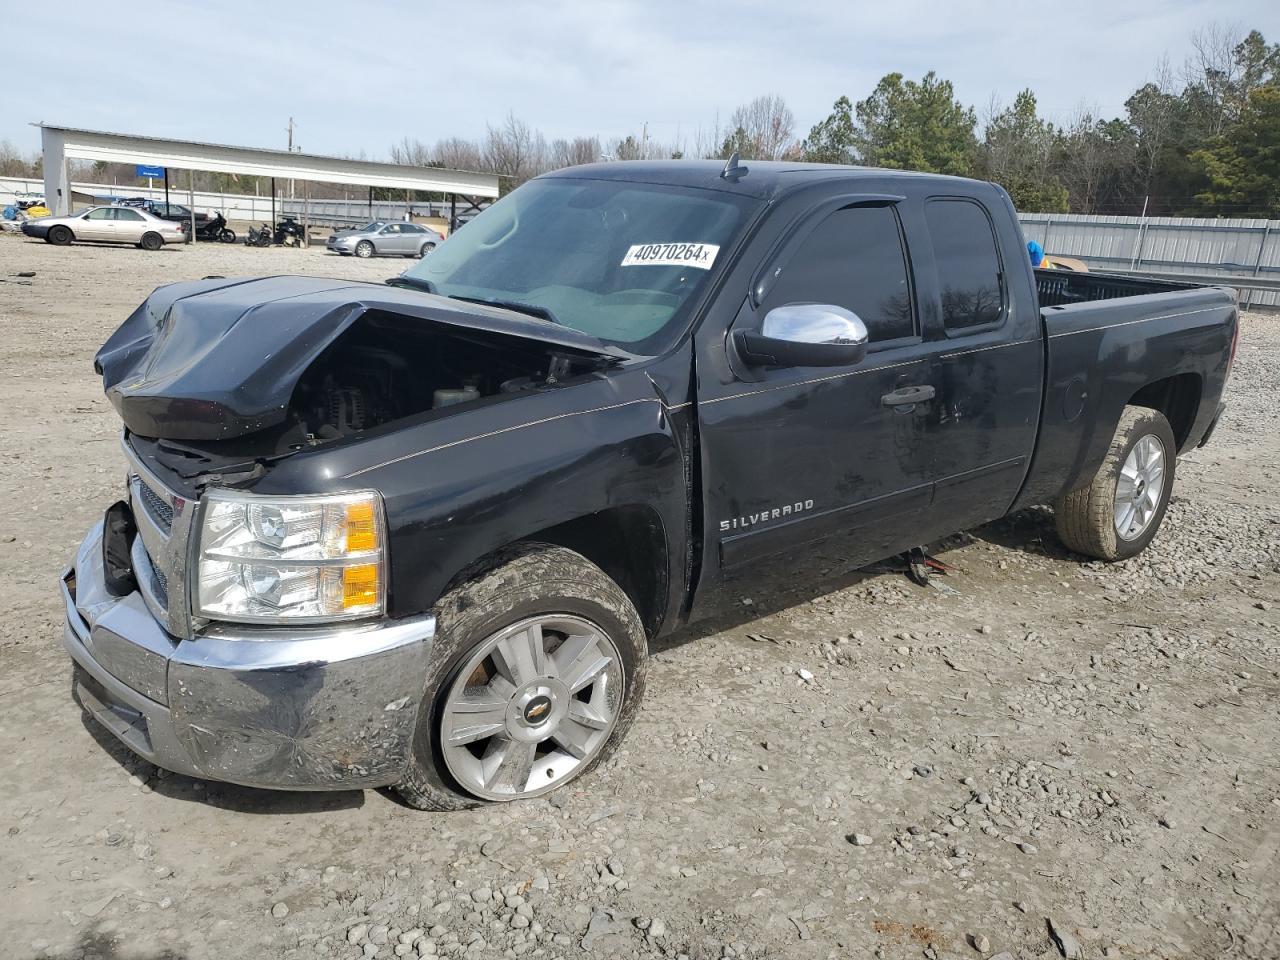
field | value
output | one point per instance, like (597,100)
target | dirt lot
(1049,740)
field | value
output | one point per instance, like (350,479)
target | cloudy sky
(358,75)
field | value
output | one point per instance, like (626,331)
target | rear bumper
(284,709)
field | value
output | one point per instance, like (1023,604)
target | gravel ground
(1046,756)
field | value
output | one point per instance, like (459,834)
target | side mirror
(805,335)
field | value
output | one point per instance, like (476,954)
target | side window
(102,213)
(964,248)
(853,259)
(391,228)
(410,228)
(125,214)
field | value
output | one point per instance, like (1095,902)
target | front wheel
(1118,513)
(537,674)
(364,249)
(59,235)
(227,236)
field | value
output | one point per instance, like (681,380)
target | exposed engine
(387,368)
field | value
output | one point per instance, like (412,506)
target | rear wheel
(151,241)
(537,674)
(426,248)
(227,236)
(1119,512)
(364,249)
(60,235)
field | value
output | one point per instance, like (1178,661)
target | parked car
(176,212)
(383,239)
(111,224)
(423,534)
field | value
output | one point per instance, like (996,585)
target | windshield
(620,261)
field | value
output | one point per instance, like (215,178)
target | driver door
(97,224)
(389,239)
(806,467)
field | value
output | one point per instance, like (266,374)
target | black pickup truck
(421,534)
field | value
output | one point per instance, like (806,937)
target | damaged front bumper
(282,708)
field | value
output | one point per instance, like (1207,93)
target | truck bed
(1062,287)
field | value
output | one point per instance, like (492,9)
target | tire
(364,249)
(151,241)
(60,236)
(525,584)
(426,248)
(1089,519)
(227,236)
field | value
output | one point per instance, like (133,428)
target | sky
(356,76)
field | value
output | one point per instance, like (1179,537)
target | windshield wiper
(411,283)
(519,306)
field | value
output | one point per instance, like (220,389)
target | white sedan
(108,225)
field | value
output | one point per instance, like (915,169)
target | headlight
(296,559)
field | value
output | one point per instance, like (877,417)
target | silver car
(384,239)
(108,225)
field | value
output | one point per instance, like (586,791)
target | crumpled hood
(218,358)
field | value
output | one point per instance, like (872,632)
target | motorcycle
(216,229)
(258,238)
(289,233)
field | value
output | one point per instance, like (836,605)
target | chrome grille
(164,520)
(160,585)
(159,508)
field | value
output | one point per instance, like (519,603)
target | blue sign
(144,171)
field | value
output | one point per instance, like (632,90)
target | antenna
(733,170)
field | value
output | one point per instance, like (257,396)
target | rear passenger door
(130,224)
(989,365)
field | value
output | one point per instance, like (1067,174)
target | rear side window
(123,214)
(964,248)
(853,259)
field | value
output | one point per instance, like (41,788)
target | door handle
(908,395)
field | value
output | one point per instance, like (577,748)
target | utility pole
(291,126)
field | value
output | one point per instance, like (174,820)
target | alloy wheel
(532,707)
(1139,488)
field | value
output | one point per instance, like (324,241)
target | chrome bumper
(289,709)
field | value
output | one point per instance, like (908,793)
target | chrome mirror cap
(804,335)
(814,323)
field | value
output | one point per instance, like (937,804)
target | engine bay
(386,367)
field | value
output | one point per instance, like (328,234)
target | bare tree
(765,127)
(14,164)
(1154,111)
(457,153)
(572,153)
(515,150)
(707,140)
(411,152)
(1212,69)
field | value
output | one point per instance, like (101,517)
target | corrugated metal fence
(1179,245)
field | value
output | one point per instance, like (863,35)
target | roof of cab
(763,178)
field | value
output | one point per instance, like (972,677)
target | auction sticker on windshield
(700,255)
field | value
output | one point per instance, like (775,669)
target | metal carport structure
(60,144)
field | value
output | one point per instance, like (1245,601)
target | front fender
(457,489)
